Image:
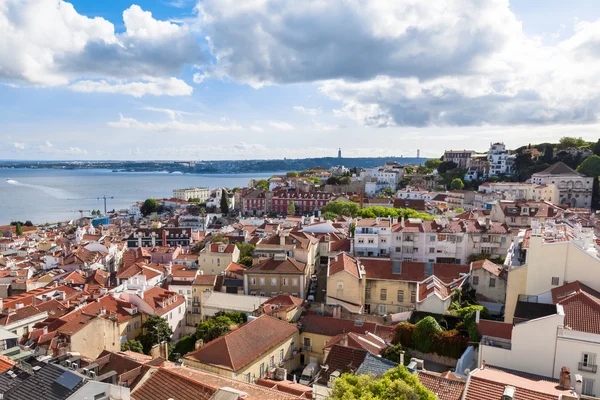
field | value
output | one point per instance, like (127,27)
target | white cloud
(256,128)
(19,145)
(409,63)
(153,87)
(198,78)
(173,114)
(48,43)
(309,111)
(173,125)
(280,125)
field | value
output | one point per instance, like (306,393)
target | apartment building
(523,191)
(499,159)
(278,275)
(447,241)
(574,189)
(216,257)
(299,245)
(521,214)
(460,199)
(462,158)
(304,202)
(372,237)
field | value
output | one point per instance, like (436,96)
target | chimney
(578,384)
(402,357)
(476,316)
(564,380)
(199,343)
(483,365)
(402,221)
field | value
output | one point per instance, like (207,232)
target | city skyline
(169,80)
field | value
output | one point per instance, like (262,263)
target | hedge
(445,343)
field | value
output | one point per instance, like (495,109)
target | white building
(372,237)
(202,193)
(561,329)
(523,191)
(573,188)
(499,160)
(378,178)
(413,193)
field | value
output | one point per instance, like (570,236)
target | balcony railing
(588,367)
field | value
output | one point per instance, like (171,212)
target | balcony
(587,367)
(307,348)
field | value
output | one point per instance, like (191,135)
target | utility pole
(104,198)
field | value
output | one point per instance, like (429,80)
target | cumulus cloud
(19,145)
(309,111)
(173,125)
(409,63)
(153,87)
(173,114)
(256,128)
(282,126)
(48,43)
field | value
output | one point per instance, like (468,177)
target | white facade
(412,193)
(497,157)
(202,193)
(523,191)
(573,188)
(382,177)
(373,240)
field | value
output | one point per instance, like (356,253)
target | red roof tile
(164,384)
(344,262)
(273,266)
(496,329)
(444,389)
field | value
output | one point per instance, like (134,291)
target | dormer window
(134,310)
(164,304)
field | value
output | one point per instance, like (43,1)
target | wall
(215,263)
(133,322)
(517,282)
(318,342)
(392,286)
(100,334)
(268,288)
(497,293)
(353,289)
(433,304)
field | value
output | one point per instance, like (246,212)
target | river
(52,195)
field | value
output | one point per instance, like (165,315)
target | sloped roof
(343,359)
(164,384)
(344,262)
(582,311)
(559,168)
(240,347)
(373,365)
(489,266)
(273,266)
(443,388)
(496,329)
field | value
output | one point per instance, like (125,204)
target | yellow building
(202,284)
(346,283)
(250,352)
(277,275)
(216,257)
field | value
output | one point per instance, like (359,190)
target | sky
(264,79)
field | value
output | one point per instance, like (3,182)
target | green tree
(235,189)
(19,230)
(424,333)
(292,174)
(457,184)
(388,191)
(224,202)
(133,345)
(183,346)
(198,247)
(423,170)
(218,238)
(590,167)
(213,328)
(352,229)
(339,207)
(291,209)
(397,383)
(156,330)
(409,170)
(392,353)
(330,216)
(446,166)
(149,206)
(262,184)
(433,163)
(566,142)
(246,253)
(548,154)
(234,316)
(596,148)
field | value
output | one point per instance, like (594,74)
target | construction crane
(104,198)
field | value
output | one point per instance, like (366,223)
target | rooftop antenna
(104,198)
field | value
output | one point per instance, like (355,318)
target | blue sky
(223,79)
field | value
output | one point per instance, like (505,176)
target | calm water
(56,195)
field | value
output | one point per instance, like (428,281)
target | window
(413,297)
(432,238)
(262,370)
(371,241)
(273,281)
(284,281)
(261,281)
(588,362)
(383,295)
(262,294)
(383,240)
(272,361)
(432,250)
(294,281)
(128,328)
(475,280)
(281,355)
(400,296)
(587,387)
(361,240)
(307,342)
(252,293)
(340,285)
(555,281)
(492,282)
(367,293)
(136,325)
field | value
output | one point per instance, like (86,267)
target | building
(521,214)
(460,199)
(251,352)
(201,193)
(523,191)
(216,257)
(547,256)
(346,283)
(489,280)
(283,306)
(277,275)
(462,158)
(562,329)
(151,237)
(574,189)
(304,202)
(499,160)
(256,202)
(372,237)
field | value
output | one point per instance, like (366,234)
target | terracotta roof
(489,384)
(343,359)
(369,342)
(284,301)
(582,311)
(205,280)
(344,262)
(443,388)
(380,268)
(329,326)
(489,266)
(240,347)
(155,297)
(7,318)
(372,222)
(273,266)
(6,364)
(227,248)
(496,329)
(164,384)
(235,268)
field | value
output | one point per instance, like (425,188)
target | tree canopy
(433,163)
(339,207)
(246,253)
(149,206)
(397,383)
(590,167)
(566,142)
(19,230)
(133,345)
(156,330)
(224,202)
(213,328)
(292,174)
(457,184)
(262,184)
